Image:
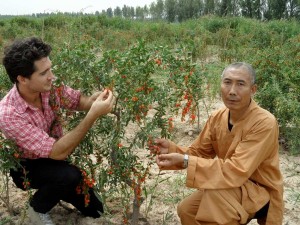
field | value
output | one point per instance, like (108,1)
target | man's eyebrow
(226,78)
(45,71)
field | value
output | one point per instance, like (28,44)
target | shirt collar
(251,107)
(20,104)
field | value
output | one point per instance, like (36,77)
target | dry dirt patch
(164,191)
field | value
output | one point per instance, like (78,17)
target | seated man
(28,118)
(234,162)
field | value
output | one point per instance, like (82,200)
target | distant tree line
(181,10)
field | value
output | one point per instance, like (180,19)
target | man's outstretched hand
(103,103)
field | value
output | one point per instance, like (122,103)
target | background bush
(272,47)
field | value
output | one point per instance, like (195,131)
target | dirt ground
(165,191)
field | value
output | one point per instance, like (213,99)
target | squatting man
(27,118)
(234,162)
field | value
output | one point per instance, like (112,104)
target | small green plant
(10,158)
(167,217)
(5,220)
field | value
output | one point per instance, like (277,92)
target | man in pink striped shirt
(28,118)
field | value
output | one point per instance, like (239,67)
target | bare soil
(164,191)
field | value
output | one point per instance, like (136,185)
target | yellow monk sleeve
(191,170)
(173,148)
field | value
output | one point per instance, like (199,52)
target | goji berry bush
(150,84)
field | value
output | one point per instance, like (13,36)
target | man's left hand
(172,161)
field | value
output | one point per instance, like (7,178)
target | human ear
(21,79)
(253,89)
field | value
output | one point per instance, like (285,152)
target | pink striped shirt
(33,130)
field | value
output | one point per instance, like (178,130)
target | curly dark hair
(19,57)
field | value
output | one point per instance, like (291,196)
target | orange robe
(224,159)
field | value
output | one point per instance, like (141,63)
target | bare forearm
(102,104)
(84,103)
(66,144)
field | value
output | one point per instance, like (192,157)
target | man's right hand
(103,104)
(163,146)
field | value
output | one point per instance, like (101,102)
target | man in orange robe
(234,162)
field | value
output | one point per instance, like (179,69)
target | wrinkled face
(41,80)
(237,89)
